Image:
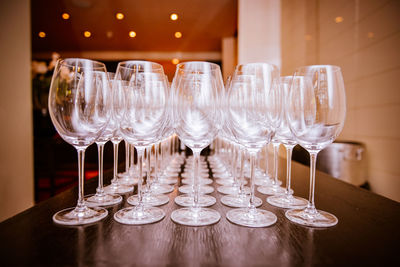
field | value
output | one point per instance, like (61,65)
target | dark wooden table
(367,234)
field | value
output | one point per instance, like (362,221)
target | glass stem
(289,150)
(127,150)
(234,166)
(253,156)
(266,163)
(115,171)
(132,158)
(148,169)
(81,175)
(196,187)
(241,171)
(140,153)
(313,161)
(156,158)
(276,150)
(100,150)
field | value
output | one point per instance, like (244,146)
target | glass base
(237,201)
(224,181)
(129,181)
(251,218)
(222,175)
(168,180)
(287,201)
(187,200)
(139,215)
(312,217)
(118,188)
(232,190)
(202,181)
(149,200)
(190,175)
(98,200)
(272,190)
(195,217)
(265,182)
(159,188)
(79,216)
(204,189)
(227,181)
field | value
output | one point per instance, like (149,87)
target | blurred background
(360,36)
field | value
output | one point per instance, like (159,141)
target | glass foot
(312,217)
(195,217)
(232,190)
(97,200)
(272,190)
(168,180)
(139,215)
(287,201)
(265,182)
(129,181)
(224,181)
(79,216)
(149,200)
(159,188)
(190,175)
(237,201)
(251,218)
(202,181)
(187,200)
(204,189)
(118,188)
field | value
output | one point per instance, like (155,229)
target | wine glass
(197,88)
(285,136)
(156,82)
(316,115)
(79,109)
(250,115)
(116,187)
(142,122)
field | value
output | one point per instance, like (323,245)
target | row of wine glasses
(257,107)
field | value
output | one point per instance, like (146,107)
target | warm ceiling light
(119,16)
(109,34)
(339,19)
(87,34)
(174,16)
(178,35)
(370,35)
(65,16)
(175,61)
(132,34)
(42,34)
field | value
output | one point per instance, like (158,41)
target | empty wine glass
(116,187)
(285,136)
(197,88)
(316,114)
(79,108)
(142,124)
(250,115)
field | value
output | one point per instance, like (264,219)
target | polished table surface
(367,234)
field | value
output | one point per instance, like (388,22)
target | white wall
(259,28)
(366,45)
(16,156)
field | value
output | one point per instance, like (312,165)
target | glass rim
(214,66)
(156,66)
(257,64)
(65,62)
(310,67)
